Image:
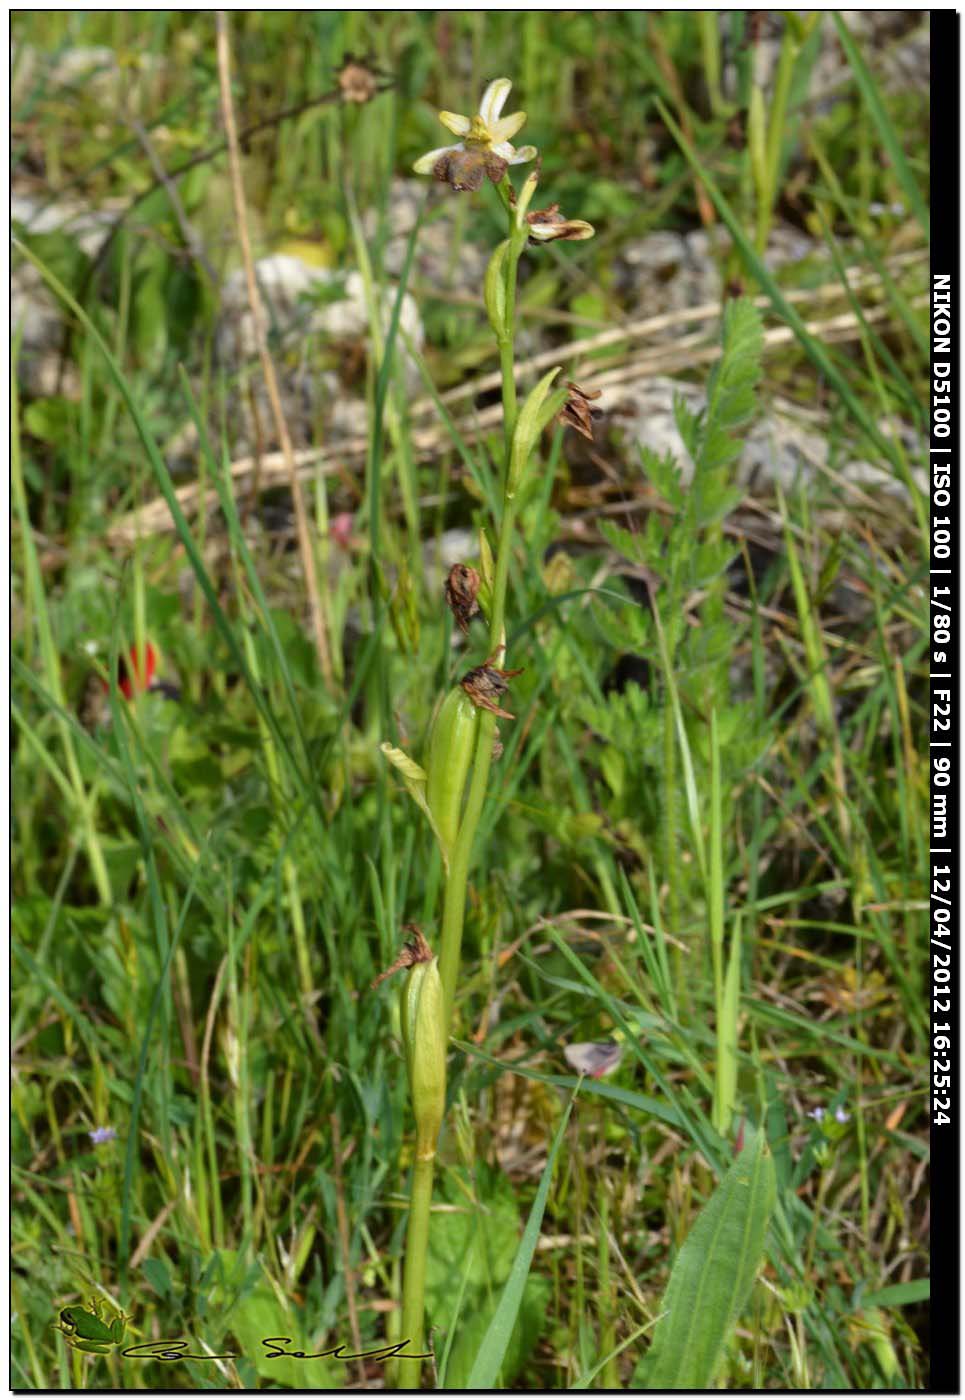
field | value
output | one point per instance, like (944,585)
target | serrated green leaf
(717,505)
(625,542)
(614,769)
(710,437)
(663,473)
(708,562)
(624,629)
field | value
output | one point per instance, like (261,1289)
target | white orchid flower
(485,149)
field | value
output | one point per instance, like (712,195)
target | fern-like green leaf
(625,542)
(663,472)
(731,400)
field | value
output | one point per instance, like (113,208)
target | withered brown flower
(415,950)
(547,225)
(484,684)
(462,588)
(577,413)
(358,79)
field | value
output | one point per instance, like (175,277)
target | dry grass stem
(268,368)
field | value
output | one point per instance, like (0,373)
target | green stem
(508,369)
(507,346)
(670,839)
(414,1279)
(776,134)
(454,906)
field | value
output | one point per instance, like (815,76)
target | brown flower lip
(464,170)
(484,684)
(577,413)
(462,588)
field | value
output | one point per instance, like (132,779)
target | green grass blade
(886,129)
(585,1381)
(725,1083)
(489,1358)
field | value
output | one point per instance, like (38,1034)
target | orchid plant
(452,788)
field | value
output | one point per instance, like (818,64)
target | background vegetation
(206,887)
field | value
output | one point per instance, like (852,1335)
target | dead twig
(191,240)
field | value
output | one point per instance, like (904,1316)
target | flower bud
(494,289)
(451,747)
(424,1040)
(526,194)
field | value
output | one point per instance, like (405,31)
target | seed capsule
(423,1036)
(451,748)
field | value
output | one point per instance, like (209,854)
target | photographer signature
(175,1351)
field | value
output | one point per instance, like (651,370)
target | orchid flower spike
(485,148)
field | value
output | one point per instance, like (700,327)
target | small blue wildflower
(99,1135)
(817,1114)
(841,1116)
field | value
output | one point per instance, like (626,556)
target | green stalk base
(414,1278)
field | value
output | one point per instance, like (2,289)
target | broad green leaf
(712,1276)
(494,289)
(244,1304)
